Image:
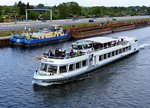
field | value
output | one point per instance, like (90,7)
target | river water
(121,84)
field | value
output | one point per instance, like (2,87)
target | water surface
(121,84)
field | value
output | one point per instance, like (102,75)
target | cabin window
(109,44)
(78,65)
(124,49)
(52,69)
(109,55)
(96,46)
(105,56)
(84,63)
(120,51)
(105,45)
(113,53)
(71,67)
(129,47)
(100,57)
(101,46)
(116,52)
(63,69)
(43,67)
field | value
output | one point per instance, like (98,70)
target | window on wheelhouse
(89,45)
(77,47)
(80,47)
(85,46)
(74,46)
(63,69)
(43,67)
(52,69)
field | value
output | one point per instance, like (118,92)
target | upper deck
(86,46)
(102,40)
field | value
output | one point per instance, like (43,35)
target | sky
(85,3)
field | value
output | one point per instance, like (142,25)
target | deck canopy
(101,40)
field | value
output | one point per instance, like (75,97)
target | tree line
(69,10)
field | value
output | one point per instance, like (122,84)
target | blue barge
(41,37)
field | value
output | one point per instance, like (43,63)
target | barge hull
(91,31)
(34,43)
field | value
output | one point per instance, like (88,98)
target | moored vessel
(97,30)
(86,55)
(41,37)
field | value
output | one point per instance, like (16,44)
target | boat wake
(142,46)
(76,79)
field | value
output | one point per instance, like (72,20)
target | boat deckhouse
(85,55)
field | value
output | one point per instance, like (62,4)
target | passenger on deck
(60,52)
(56,52)
(50,54)
(113,43)
(118,42)
(121,39)
(71,52)
(78,53)
(63,53)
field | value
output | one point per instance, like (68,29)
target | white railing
(68,55)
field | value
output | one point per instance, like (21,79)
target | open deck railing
(81,53)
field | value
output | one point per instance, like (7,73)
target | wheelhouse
(82,45)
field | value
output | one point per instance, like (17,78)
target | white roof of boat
(101,39)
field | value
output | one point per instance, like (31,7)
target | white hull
(58,78)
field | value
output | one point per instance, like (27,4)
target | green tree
(33,15)
(28,6)
(55,12)
(69,9)
(74,8)
(40,6)
(148,10)
(22,8)
(97,11)
(63,10)
(1,11)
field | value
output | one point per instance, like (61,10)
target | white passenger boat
(86,55)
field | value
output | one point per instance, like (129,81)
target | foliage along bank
(68,10)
